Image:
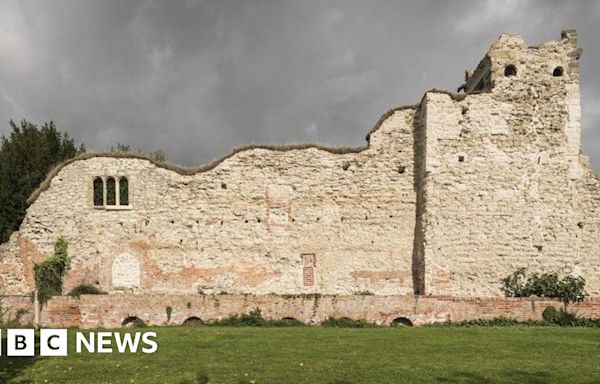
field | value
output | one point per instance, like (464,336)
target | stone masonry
(449,196)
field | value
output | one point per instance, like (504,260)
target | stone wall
(506,183)
(263,221)
(449,197)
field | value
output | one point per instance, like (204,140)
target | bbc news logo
(54,342)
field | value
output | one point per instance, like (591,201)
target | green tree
(26,157)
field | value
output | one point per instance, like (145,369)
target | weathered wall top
(510,59)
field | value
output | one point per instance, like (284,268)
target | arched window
(510,70)
(98,192)
(123,191)
(558,72)
(111,192)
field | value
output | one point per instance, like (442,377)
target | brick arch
(193,320)
(132,321)
(401,321)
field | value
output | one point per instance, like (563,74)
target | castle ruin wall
(449,197)
(263,221)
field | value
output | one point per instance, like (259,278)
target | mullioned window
(111,192)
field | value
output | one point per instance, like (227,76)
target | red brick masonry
(91,311)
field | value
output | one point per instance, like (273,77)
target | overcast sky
(197,78)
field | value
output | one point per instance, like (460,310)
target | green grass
(332,355)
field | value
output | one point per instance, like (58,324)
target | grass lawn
(331,355)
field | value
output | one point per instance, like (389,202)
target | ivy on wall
(50,272)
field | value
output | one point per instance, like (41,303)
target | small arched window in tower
(558,72)
(510,70)
(111,192)
(123,191)
(98,192)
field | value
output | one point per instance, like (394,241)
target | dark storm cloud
(197,78)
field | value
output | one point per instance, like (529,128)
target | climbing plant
(50,272)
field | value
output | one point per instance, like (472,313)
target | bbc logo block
(54,342)
(21,342)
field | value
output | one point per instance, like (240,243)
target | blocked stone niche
(309,263)
(125,272)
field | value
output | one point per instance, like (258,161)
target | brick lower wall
(17,309)
(90,311)
(61,311)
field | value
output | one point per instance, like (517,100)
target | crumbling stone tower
(502,183)
(448,197)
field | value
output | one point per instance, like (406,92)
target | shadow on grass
(201,378)
(508,376)
(11,367)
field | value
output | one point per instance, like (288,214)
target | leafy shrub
(550,314)
(565,318)
(579,322)
(570,289)
(85,289)
(134,322)
(49,273)
(552,318)
(495,322)
(514,284)
(345,322)
(139,323)
(287,322)
(253,318)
